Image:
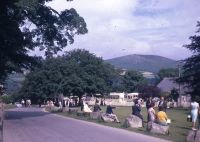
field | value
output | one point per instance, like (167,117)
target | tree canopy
(27,24)
(191,67)
(170,72)
(75,73)
(132,80)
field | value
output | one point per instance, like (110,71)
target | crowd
(160,117)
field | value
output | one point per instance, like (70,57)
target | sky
(123,27)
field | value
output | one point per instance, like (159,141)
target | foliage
(75,73)
(7,99)
(26,24)
(170,72)
(174,94)
(191,67)
(149,90)
(132,80)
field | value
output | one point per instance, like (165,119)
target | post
(179,86)
(1,121)
(1,114)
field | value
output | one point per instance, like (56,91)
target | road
(34,125)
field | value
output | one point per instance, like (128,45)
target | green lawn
(178,128)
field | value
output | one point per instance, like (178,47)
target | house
(168,84)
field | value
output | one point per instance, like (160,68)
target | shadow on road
(11,115)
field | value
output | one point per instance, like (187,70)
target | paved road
(34,125)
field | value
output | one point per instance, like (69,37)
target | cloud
(118,27)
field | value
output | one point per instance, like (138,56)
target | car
(17,104)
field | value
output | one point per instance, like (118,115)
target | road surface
(34,125)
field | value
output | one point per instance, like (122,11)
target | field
(178,128)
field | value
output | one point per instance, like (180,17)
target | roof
(168,84)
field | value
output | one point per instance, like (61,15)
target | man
(162,104)
(96,107)
(136,109)
(109,112)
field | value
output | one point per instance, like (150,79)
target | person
(148,102)
(28,102)
(86,107)
(194,112)
(60,104)
(136,110)
(23,102)
(81,104)
(199,118)
(151,113)
(148,105)
(163,104)
(97,108)
(109,113)
(39,103)
(162,117)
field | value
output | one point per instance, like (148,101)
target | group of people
(97,108)
(160,117)
(26,103)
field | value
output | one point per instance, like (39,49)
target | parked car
(19,105)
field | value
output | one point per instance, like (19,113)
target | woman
(151,113)
(86,107)
(194,112)
(162,117)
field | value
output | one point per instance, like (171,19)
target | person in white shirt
(194,112)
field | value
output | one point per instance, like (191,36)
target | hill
(13,82)
(149,63)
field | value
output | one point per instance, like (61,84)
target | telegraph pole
(179,85)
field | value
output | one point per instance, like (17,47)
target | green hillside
(150,63)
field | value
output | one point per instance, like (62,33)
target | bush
(7,99)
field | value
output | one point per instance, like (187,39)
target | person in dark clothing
(64,103)
(110,113)
(81,104)
(162,103)
(148,105)
(148,102)
(97,107)
(109,109)
(136,109)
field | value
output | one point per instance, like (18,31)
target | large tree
(132,80)
(75,73)
(170,72)
(191,67)
(26,24)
